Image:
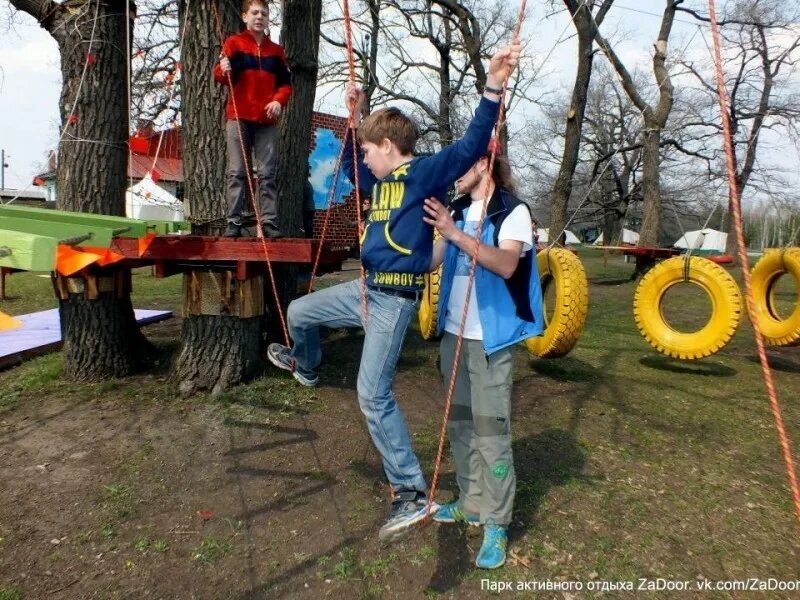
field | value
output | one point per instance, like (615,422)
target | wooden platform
(176,253)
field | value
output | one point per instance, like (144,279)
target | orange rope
(329,208)
(351,68)
(473,268)
(259,230)
(736,209)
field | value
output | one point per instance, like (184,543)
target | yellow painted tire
(777,331)
(428,307)
(726,308)
(562,268)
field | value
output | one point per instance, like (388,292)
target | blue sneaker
(279,355)
(408,509)
(493,550)
(451,513)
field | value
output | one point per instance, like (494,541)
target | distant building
(167,170)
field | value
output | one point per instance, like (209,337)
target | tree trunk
(586,27)
(203,115)
(230,359)
(562,189)
(218,351)
(300,33)
(101,337)
(651,189)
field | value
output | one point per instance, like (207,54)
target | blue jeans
(387,320)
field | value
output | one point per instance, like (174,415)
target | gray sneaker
(408,509)
(280,356)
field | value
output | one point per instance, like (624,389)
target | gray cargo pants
(260,143)
(479,429)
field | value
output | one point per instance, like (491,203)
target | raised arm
(365,177)
(454,160)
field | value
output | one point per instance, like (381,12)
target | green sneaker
(451,513)
(493,550)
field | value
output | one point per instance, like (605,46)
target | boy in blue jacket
(396,249)
(505,307)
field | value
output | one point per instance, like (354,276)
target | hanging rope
(351,70)
(256,210)
(473,268)
(736,209)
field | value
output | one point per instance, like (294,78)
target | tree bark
(300,33)
(562,188)
(203,131)
(228,361)
(101,337)
(217,351)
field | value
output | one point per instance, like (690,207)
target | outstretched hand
(440,218)
(503,63)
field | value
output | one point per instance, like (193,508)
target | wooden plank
(220,293)
(136,227)
(208,248)
(29,252)
(100,236)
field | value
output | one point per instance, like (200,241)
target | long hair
(501,173)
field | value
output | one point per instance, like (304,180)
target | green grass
(211,550)
(11,593)
(629,464)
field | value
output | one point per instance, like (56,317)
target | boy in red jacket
(261,90)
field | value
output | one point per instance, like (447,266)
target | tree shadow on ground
(673,365)
(549,459)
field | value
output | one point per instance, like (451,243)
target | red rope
(736,210)
(351,67)
(259,230)
(473,268)
(328,210)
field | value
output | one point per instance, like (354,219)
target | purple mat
(41,333)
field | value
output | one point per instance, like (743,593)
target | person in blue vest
(396,248)
(505,307)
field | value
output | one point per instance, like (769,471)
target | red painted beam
(207,248)
(650,252)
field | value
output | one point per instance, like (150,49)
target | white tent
(710,240)
(544,236)
(628,237)
(148,201)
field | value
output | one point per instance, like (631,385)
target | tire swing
(428,306)
(561,268)
(778,331)
(726,307)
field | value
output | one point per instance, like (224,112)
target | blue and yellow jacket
(510,310)
(397,244)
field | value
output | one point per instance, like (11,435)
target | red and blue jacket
(260,75)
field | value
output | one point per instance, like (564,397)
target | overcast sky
(30,78)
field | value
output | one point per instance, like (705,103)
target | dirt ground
(629,465)
(133,497)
